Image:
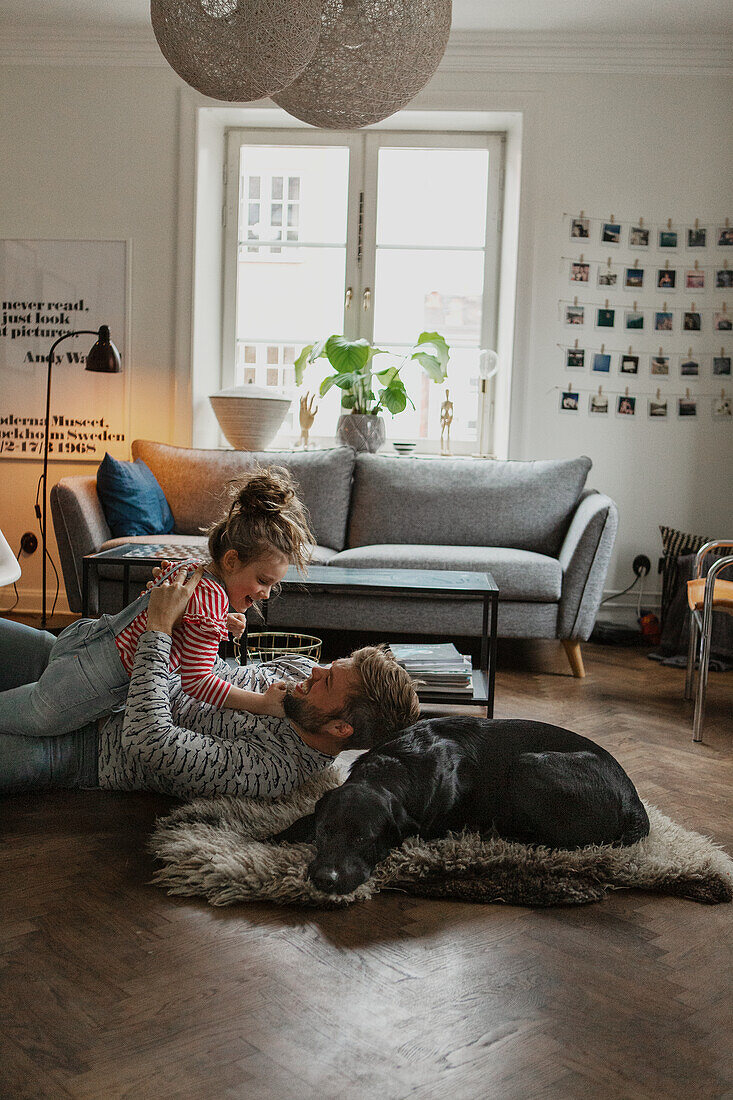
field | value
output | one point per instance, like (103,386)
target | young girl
(264,530)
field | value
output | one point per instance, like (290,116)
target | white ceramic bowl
(249,416)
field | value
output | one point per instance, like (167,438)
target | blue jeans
(31,763)
(83,679)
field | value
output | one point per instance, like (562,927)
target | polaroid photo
(598,404)
(689,367)
(575,358)
(694,280)
(697,238)
(629,364)
(638,237)
(625,406)
(723,278)
(608,276)
(687,406)
(605,318)
(722,322)
(659,365)
(633,320)
(579,272)
(721,365)
(722,408)
(657,408)
(663,321)
(610,233)
(724,236)
(666,278)
(633,278)
(667,238)
(569,401)
(579,229)
(691,321)
(601,363)
(574,315)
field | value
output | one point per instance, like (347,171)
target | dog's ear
(302,831)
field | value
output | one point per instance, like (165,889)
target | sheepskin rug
(218,849)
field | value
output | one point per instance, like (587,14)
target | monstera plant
(367,390)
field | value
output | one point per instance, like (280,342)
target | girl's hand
(272,700)
(158,571)
(236,624)
(169,600)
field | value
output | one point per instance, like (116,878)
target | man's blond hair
(386,701)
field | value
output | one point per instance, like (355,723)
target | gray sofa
(545,538)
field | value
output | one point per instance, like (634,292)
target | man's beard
(303,713)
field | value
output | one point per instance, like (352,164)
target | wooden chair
(705,595)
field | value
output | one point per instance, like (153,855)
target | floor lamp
(104,358)
(488,367)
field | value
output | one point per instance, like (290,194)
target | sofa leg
(575,657)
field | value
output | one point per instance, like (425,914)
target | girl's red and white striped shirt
(195,642)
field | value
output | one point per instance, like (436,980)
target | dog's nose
(326,879)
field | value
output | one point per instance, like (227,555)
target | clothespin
(659,393)
(664,306)
(697,223)
(689,352)
(606,305)
(600,391)
(576,341)
(666,264)
(581,257)
(692,307)
(727,223)
(641,226)
(582,213)
(608,262)
(575,301)
(725,265)
(722,351)
(603,348)
(661,350)
(630,349)
(669,223)
(697,264)
(724,307)
(687,394)
(634,307)
(636,262)
(612,219)
(626,392)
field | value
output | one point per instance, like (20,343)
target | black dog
(529,781)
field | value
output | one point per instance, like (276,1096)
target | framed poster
(49,288)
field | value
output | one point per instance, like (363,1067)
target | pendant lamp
(237,50)
(373,57)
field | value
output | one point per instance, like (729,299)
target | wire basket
(267,645)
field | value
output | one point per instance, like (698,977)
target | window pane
(276,214)
(299,296)
(292,214)
(254,187)
(318,177)
(253,213)
(432,197)
(423,422)
(418,291)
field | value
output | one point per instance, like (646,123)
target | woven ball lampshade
(237,50)
(373,57)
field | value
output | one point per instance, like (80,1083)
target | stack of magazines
(439,667)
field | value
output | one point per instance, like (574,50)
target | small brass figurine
(446,419)
(308,410)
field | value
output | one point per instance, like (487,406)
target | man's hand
(272,700)
(169,600)
(236,624)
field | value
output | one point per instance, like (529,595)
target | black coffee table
(437,583)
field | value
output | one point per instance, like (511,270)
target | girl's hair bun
(266,491)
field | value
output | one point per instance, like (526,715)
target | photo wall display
(646,300)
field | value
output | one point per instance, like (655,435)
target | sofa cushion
(465,502)
(131,498)
(195,481)
(519,574)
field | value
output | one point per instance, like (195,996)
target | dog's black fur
(529,781)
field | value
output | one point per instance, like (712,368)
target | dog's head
(355,828)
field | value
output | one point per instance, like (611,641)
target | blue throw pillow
(131,498)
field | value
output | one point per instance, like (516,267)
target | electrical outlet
(641,565)
(28,543)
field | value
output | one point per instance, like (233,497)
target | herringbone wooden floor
(110,989)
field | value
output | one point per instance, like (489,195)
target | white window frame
(362,204)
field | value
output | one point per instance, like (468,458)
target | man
(165,741)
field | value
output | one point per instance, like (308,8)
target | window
(381,235)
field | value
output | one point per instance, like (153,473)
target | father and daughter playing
(100,706)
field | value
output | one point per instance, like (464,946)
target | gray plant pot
(361,431)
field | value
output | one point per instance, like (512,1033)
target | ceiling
(584,17)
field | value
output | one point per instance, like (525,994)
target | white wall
(100,152)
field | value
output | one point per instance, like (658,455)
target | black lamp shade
(104,358)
